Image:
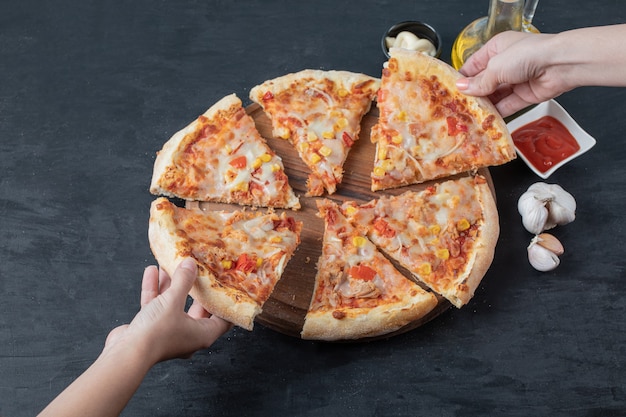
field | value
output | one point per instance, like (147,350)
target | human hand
(162,326)
(513,70)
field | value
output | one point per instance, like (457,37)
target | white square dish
(554,109)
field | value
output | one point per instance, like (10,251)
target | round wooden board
(286,308)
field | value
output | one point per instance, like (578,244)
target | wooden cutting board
(284,311)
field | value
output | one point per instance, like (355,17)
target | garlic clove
(534,213)
(549,242)
(562,207)
(541,258)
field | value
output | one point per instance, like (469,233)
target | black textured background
(90,90)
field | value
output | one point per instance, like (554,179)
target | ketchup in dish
(545,142)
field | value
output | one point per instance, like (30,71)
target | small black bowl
(419,29)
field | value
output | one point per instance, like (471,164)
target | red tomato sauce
(545,142)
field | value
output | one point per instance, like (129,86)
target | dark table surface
(90,90)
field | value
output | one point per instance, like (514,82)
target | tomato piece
(268,96)
(347,139)
(383,229)
(363,272)
(245,263)
(454,126)
(239,162)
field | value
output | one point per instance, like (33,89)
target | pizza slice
(221,157)
(427,129)
(445,235)
(320,113)
(358,292)
(241,255)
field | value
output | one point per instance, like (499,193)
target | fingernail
(462,83)
(188,264)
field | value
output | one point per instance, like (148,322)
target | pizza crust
(364,322)
(483,253)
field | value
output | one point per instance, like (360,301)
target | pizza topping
(239,162)
(362,272)
(246,263)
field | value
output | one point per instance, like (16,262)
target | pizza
(320,113)
(241,255)
(427,129)
(445,235)
(358,292)
(221,157)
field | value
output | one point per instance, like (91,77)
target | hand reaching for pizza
(161,330)
(162,323)
(518,69)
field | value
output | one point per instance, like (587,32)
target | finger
(149,285)
(511,104)
(164,281)
(184,277)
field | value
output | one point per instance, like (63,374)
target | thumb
(480,85)
(184,277)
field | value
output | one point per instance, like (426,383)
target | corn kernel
(275,167)
(311,136)
(227,264)
(382,152)
(242,186)
(425,269)
(276,239)
(388,165)
(341,123)
(325,150)
(379,171)
(315,158)
(435,229)
(266,157)
(259,262)
(257,163)
(229,175)
(358,241)
(401,116)
(462,225)
(350,210)
(303,147)
(328,135)
(343,92)
(397,139)
(443,253)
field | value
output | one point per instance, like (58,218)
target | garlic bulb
(543,206)
(544,251)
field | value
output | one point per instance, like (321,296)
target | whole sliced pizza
(384,262)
